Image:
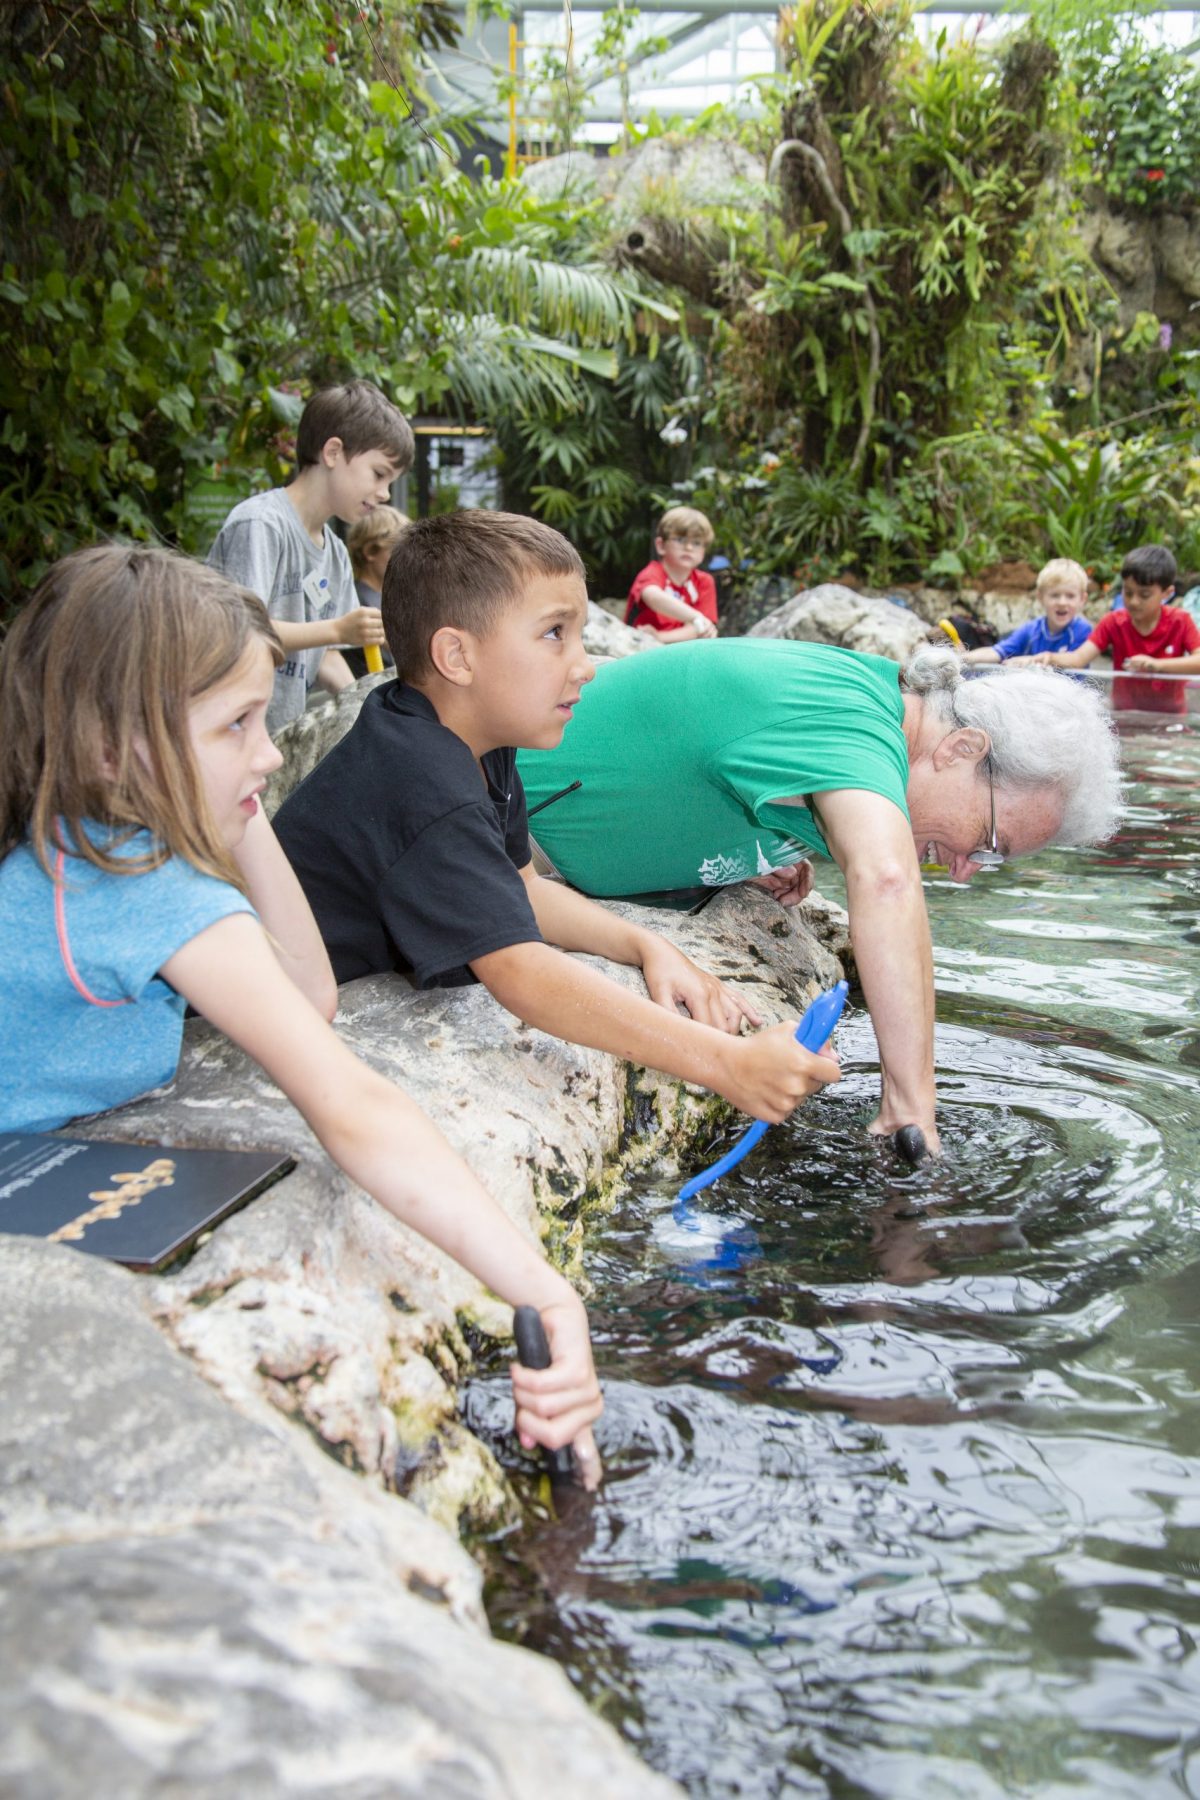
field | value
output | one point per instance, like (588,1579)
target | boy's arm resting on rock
(386,1144)
(872,844)
(1166,665)
(573,922)
(1069,659)
(685,634)
(766,1075)
(280,902)
(987,653)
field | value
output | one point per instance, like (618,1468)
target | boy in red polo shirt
(1146,636)
(672,599)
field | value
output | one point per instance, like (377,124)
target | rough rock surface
(314,1302)
(831,614)
(197,1599)
(606,633)
(704,172)
(194,1604)
(1152,259)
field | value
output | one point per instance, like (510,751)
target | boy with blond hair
(370,541)
(411,842)
(351,445)
(672,599)
(1062,588)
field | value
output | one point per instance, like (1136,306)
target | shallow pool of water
(903,1467)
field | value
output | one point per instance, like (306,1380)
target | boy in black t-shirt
(410,838)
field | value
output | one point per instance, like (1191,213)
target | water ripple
(903,1491)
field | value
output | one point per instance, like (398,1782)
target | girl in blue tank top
(139,874)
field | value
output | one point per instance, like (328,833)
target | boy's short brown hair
(1150,565)
(463,568)
(382,525)
(685,521)
(362,417)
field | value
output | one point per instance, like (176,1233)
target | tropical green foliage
(895,356)
(210,205)
(1144,116)
(917,361)
(1138,103)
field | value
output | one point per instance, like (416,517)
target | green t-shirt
(686,752)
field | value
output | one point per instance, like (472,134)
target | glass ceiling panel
(714,58)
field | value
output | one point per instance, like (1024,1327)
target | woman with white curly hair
(723,761)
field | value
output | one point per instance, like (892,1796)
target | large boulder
(1151,258)
(197,1600)
(304,741)
(831,614)
(196,1604)
(706,172)
(606,634)
(314,1303)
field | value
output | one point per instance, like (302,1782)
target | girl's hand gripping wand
(533,1352)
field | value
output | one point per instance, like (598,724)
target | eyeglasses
(992,857)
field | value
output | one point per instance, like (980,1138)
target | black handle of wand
(533,1352)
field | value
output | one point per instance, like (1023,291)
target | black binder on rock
(137,1204)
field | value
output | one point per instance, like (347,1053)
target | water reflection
(903,1488)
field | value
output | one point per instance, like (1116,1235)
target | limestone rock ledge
(186,1572)
(189,1610)
(316,1303)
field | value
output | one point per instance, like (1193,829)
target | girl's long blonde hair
(96,678)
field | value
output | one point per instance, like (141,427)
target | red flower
(1156,174)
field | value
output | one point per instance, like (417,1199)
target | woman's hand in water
(789,885)
(888,1122)
(674,980)
(557,1406)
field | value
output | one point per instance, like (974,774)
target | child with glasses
(672,599)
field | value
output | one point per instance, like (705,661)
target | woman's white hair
(1046,730)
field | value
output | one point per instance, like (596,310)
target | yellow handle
(945,625)
(374,656)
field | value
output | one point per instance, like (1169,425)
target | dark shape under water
(910,1142)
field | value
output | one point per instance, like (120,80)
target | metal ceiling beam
(721,8)
(638,57)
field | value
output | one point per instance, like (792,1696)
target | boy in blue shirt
(351,445)
(1062,590)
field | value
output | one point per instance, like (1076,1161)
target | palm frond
(562,299)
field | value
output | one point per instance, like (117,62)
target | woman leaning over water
(726,761)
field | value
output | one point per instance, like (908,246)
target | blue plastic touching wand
(812,1031)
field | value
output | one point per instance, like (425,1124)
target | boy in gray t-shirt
(351,445)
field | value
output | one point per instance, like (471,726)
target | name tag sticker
(317,598)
